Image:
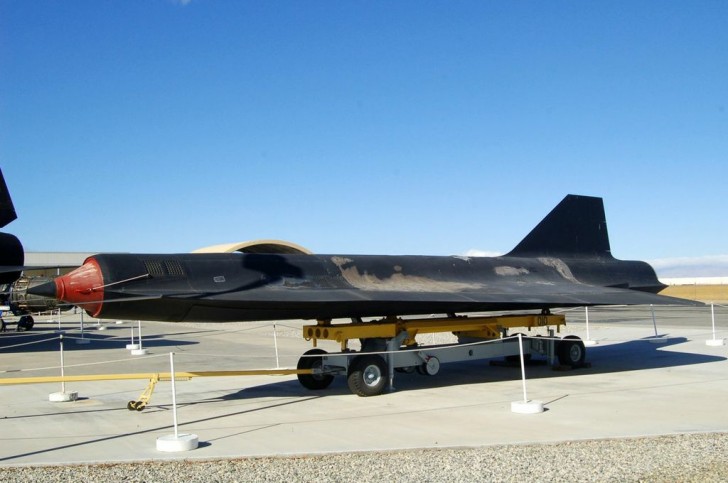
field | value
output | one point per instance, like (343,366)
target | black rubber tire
(25,322)
(131,405)
(571,351)
(368,375)
(314,382)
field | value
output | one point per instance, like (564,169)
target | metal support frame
(491,327)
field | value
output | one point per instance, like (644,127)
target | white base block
(715,342)
(132,347)
(183,442)
(658,340)
(63,396)
(590,342)
(83,341)
(527,407)
(119,322)
(101,327)
(138,352)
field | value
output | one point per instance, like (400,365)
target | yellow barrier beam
(162,376)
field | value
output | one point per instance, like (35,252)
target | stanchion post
(174,394)
(82,340)
(177,441)
(588,340)
(63,367)
(714,342)
(139,351)
(525,406)
(62,396)
(657,339)
(275,344)
(132,346)
(523,366)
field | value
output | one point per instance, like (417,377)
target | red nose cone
(83,287)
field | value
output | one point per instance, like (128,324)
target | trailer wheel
(313,382)
(571,351)
(367,375)
(429,368)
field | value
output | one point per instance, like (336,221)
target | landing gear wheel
(132,405)
(571,351)
(430,367)
(25,322)
(367,375)
(314,382)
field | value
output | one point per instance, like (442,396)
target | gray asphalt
(633,388)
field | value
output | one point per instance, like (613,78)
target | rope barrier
(99,363)
(28,343)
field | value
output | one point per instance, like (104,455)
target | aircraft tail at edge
(11,250)
(7,210)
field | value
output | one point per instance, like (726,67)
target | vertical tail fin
(577,227)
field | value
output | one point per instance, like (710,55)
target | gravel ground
(685,458)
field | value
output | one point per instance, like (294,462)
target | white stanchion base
(83,341)
(132,347)
(527,407)
(138,352)
(589,343)
(101,327)
(119,322)
(715,342)
(63,396)
(182,442)
(658,340)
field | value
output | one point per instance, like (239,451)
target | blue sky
(364,127)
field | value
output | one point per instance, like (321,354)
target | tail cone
(47,289)
(83,287)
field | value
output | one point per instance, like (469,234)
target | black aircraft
(565,261)
(12,255)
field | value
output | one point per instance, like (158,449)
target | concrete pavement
(633,388)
